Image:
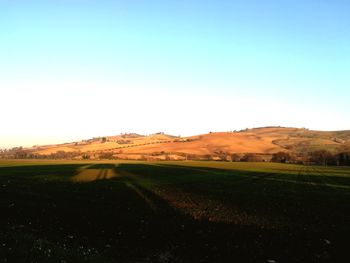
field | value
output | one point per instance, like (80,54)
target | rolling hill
(261,141)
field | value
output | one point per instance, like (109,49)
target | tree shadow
(101,166)
(38,173)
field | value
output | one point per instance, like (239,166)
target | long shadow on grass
(31,172)
(258,194)
(125,219)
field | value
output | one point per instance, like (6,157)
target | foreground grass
(69,211)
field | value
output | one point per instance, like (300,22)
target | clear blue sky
(75,69)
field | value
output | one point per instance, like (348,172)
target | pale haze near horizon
(72,70)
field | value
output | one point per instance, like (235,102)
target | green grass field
(65,211)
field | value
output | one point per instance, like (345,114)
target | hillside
(263,141)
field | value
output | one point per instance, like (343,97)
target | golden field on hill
(267,140)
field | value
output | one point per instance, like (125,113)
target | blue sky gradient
(292,53)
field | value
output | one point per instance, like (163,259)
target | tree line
(319,157)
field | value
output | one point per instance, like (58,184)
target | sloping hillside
(108,143)
(265,140)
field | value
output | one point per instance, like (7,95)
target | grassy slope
(172,212)
(97,145)
(261,140)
